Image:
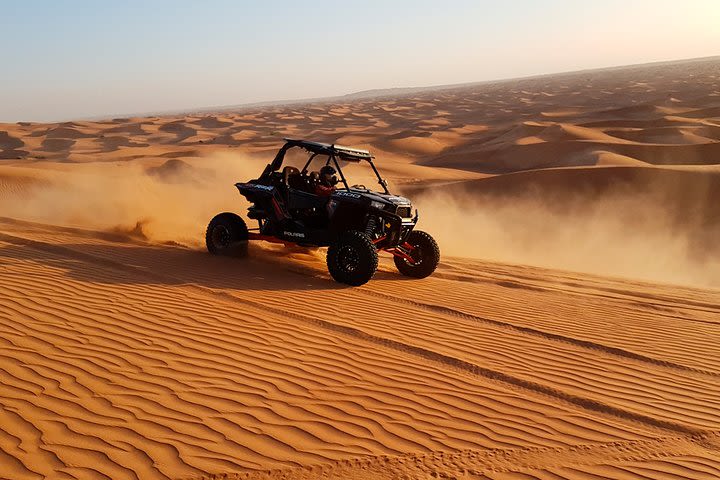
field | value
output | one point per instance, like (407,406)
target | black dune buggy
(353,221)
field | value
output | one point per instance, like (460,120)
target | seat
(290,176)
(297,196)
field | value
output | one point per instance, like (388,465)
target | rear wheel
(425,256)
(227,234)
(353,259)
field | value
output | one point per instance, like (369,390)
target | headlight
(376,204)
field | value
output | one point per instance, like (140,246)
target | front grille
(404,212)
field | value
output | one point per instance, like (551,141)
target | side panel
(254,191)
(347,215)
(304,200)
(265,197)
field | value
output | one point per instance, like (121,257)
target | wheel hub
(348,258)
(416,255)
(221,236)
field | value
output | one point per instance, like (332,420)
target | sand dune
(163,362)
(495,127)
(572,330)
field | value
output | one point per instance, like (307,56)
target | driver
(327,181)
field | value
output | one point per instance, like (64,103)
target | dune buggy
(314,208)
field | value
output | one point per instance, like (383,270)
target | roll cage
(334,153)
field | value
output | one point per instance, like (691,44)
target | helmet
(327,176)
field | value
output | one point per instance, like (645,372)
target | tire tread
(430,262)
(362,242)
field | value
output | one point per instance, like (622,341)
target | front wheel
(353,259)
(425,255)
(226,234)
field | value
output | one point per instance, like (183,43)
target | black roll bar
(381,180)
(339,170)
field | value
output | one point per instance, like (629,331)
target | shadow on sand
(263,269)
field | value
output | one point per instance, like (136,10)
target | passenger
(326,182)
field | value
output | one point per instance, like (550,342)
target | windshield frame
(334,159)
(381,181)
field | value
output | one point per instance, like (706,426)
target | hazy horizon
(83,59)
(400,89)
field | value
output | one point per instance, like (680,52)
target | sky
(74,59)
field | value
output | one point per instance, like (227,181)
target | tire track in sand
(502,463)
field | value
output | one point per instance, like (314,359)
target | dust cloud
(618,234)
(169,202)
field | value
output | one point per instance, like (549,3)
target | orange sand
(571,331)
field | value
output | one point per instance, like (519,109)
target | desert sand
(571,331)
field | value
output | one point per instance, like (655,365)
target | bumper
(396,229)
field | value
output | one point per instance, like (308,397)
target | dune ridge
(658,114)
